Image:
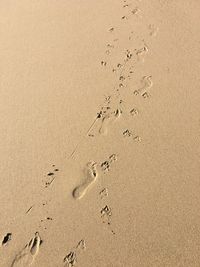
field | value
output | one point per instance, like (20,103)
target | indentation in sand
(6,239)
(107,119)
(28,254)
(146,82)
(153,30)
(103,193)
(105,166)
(134,112)
(91,176)
(141,53)
(71,258)
(106,214)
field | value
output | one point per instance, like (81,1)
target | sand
(100,129)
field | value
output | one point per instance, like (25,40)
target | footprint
(131,70)
(105,166)
(124,17)
(103,63)
(127,133)
(118,67)
(146,95)
(122,78)
(108,119)
(131,35)
(107,52)
(128,55)
(137,138)
(106,211)
(111,29)
(81,245)
(136,11)
(106,214)
(140,53)
(91,176)
(6,239)
(28,254)
(109,49)
(110,46)
(103,193)
(146,84)
(71,258)
(153,30)
(134,112)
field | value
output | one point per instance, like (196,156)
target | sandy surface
(100,129)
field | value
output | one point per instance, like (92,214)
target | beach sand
(100,131)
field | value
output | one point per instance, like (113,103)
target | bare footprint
(146,84)
(27,255)
(140,53)
(91,176)
(108,119)
(104,124)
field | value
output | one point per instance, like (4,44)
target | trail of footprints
(110,113)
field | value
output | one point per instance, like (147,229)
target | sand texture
(100,133)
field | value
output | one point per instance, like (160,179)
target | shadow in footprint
(6,239)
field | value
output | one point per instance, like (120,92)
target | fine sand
(99,133)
